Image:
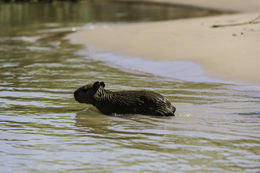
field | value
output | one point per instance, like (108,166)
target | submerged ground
(44,130)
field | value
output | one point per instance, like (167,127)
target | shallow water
(44,130)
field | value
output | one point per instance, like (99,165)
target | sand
(230,53)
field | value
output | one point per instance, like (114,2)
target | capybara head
(89,93)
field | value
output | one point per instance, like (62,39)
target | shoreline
(241,6)
(228,53)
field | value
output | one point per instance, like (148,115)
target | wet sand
(230,53)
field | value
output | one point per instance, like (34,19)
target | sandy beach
(230,53)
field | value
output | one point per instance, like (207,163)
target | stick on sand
(254,21)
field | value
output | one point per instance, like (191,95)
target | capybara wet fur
(124,102)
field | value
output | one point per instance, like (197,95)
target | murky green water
(42,128)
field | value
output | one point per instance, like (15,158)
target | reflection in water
(44,130)
(94,11)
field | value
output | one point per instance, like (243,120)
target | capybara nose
(76,96)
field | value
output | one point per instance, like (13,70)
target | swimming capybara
(124,102)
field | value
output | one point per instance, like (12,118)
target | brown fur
(124,102)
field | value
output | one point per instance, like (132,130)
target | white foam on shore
(181,69)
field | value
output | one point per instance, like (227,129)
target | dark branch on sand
(254,21)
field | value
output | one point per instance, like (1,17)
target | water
(42,128)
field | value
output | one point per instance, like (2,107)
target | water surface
(44,130)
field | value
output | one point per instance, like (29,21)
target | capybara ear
(102,84)
(96,85)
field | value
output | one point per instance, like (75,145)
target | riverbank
(229,53)
(235,5)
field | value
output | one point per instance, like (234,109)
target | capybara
(124,102)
